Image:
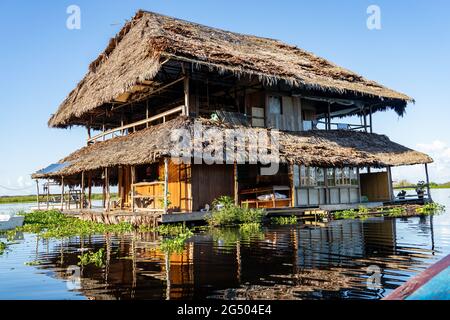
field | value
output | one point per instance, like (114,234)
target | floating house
(270,117)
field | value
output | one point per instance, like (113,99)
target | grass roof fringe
(335,148)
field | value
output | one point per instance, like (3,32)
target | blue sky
(41,61)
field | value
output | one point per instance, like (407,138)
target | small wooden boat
(8,222)
(431,284)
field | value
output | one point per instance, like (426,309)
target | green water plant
(362,213)
(430,208)
(226,213)
(54,224)
(176,243)
(96,258)
(3,247)
(284,220)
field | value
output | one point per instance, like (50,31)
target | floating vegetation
(3,247)
(226,213)
(54,224)
(362,213)
(96,258)
(284,220)
(32,263)
(430,208)
(175,243)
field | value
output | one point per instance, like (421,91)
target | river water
(343,260)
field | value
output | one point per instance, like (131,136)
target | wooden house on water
(161,75)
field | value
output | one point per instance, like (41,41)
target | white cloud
(439,170)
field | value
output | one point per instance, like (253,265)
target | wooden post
(236,184)
(365,119)
(293,190)
(359,185)
(329,116)
(62,193)
(89,134)
(391,191)
(37,194)
(82,191)
(370,119)
(186,92)
(166,183)
(90,189)
(48,193)
(146,113)
(104,191)
(428,182)
(133,181)
(108,196)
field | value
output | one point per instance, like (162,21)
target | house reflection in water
(278,263)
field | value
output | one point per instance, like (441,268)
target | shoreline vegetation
(433,185)
(42,198)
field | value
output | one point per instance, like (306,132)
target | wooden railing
(148,196)
(122,129)
(345,126)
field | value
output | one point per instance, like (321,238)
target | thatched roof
(336,148)
(135,55)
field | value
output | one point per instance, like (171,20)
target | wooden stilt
(133,181)
(108,196)
(236,184)
(90,189)
(62,193)
(390,187)
(370,119)
(37,194)
(428,182)
(48,194)
(82,191)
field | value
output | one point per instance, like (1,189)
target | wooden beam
(166,183)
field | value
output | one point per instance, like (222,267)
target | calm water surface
(286,262)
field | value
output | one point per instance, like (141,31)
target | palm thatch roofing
(336,148)
(137,52)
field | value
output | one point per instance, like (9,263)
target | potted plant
(420,189)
